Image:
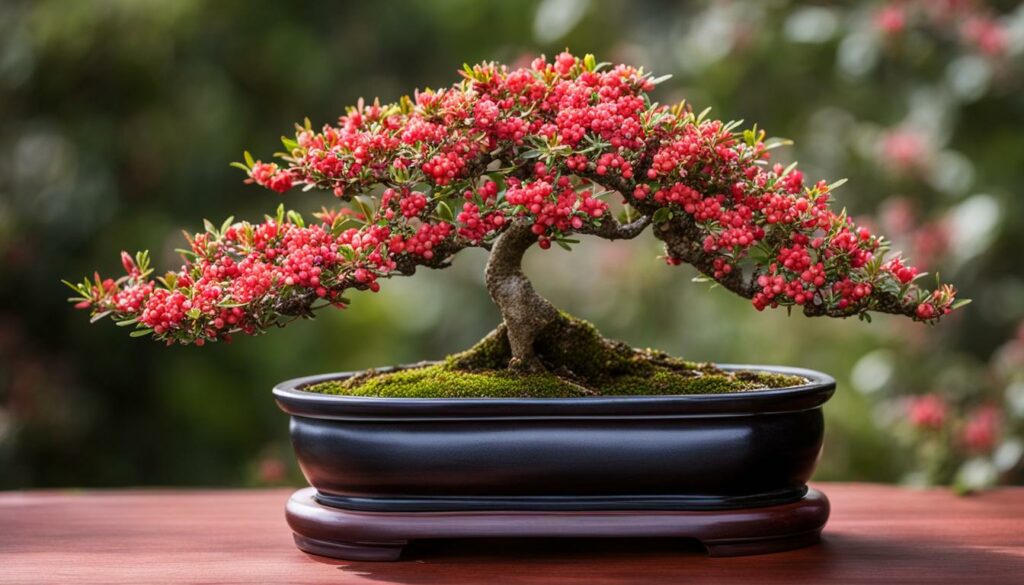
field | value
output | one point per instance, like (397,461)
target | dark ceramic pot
(692,453)
(729,470)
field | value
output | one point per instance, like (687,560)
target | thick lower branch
(525,313)
(684,242)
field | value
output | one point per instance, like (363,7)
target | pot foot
(760,546)
(380,536)
(351,551)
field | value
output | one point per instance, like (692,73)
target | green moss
(665,382)
(490,353)
(770,379)
(439,381)
(580,362)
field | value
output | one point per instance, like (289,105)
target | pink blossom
(982,429)
(904,149)
(928,411)
(891,19)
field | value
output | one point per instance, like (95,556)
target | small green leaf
(296,218)
(347,252)
(249,160)
(365,208)
(661,79)
(127,322)
(703,114)
(662,215)
(73,287)
(142,261)
(338,225)
(193,313)
(751,136)
(140,332)
(239,165)
(99,316)
(445,212)
(628,214)
(837,184)
(169,280)
(229,304)
(732,125)
(960,303)
(774,143)
(788,169)
(227,223)
(590,62)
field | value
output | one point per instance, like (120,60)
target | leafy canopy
(549,144)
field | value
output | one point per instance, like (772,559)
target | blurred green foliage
(118,119)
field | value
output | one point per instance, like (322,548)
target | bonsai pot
(727,469)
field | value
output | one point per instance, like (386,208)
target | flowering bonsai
(506,159)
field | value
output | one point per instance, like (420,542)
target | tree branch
(611,229)
(683,242)
(406,264)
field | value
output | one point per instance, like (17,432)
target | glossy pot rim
(819,388)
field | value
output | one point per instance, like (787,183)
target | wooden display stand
(380,536)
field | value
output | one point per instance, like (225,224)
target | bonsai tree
(506,159)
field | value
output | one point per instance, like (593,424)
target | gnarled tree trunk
(525,313)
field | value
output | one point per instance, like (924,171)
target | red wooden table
(877,534)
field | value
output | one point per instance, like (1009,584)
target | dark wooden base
(380,536)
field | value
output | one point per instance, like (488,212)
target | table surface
(877,534)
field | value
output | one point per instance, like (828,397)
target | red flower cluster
(240,277)
(555,208)
(819,257)
(928,411)
(977,430)
(164,310)
(271,177)
(981,429)
(448,169)
(410,204)
(423,241)
(305,253)
(474,226)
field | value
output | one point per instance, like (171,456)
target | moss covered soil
(579,363)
